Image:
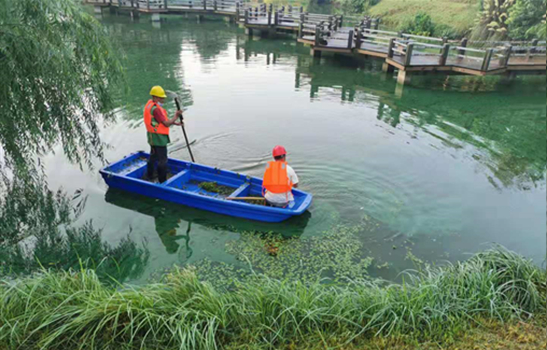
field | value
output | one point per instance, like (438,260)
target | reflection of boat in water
(168,218)
(185,187)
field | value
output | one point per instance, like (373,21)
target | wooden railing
(363,34)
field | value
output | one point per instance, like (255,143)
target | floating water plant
(214,187)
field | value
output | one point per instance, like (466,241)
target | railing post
(191,4)
(301,26)
(377,23)
(148,4)
(317,34)
(444,54)
(390,48)
(269,17)
(534,44)
(486,60)
(205,5)
(508,50)
(165,4)
(341,20)
(246,16)
(237,12)
(445,40)
(301,9)
(350,39)
(276,18)
(358,38)
(463,43)
(408,56)
(214,5)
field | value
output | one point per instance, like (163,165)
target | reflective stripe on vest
(148,118)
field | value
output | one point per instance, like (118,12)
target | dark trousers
(158,154)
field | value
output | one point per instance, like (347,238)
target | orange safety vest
(276,179)
(158,128)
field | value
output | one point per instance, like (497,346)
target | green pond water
(442,169)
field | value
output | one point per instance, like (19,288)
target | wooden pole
(445,40)
(486,60)
(534,44)
(350,39)
(301,26)
(507,55)
(184,131)
(408,56)
(444,54)
(237,12)
(463,43)
(317,34)
(390,48)
(358,38)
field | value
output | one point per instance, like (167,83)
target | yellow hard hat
(158,91)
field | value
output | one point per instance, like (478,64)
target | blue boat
(183,187)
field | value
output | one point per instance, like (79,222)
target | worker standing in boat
(157,127)
(279,180)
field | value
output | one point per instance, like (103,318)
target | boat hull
(183,188)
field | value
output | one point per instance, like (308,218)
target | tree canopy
(59,76)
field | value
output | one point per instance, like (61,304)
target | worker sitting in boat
(279,180)
(157,126)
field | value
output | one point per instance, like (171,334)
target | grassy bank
(436,304)
(452,17)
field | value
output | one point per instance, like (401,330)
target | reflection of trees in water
(213,41)
(37,231)
(153,58)
(507,121)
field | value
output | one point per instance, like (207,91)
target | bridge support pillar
(403,77)
(508,77)
(98,10)
(156,17)
(315,53)
(269,33)
(387,68)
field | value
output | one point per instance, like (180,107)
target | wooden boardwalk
(408,54)
(411,54)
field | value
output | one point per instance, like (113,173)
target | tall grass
(74,310)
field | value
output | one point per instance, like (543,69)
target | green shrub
(421,25)
(527,19)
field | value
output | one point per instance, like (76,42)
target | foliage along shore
(74,309)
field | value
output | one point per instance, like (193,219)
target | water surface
(442,169)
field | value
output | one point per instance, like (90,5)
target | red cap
(279,151)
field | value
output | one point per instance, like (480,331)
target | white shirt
(281,198)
